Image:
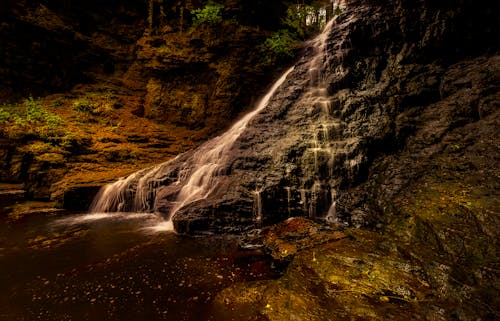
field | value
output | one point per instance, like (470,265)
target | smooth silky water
(180,184)
(196,178)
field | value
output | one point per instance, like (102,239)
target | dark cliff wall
(387,65)
(49,46)
(404,61)
(422,94)
(427,109)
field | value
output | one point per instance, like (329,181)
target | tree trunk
(150,17)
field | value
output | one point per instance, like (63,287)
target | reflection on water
(119,266)
(77,219)
(145,222)
(165,226)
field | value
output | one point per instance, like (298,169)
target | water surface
(115,266)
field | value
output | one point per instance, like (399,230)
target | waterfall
(322,148)
(216,170)
(196,179)
(210,158)
(320,134)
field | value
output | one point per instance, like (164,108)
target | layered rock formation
(388,122)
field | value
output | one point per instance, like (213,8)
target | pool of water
(119,266)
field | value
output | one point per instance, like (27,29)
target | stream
(118,266)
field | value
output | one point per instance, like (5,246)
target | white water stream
(210,157)
(196,178)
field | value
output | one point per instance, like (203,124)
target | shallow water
(118,266)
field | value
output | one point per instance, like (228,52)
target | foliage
(30,118)
(35,113)
(301,22)
(4,116)
(304,20)
(30,113)
(211,14)
(85,106)
(95,104)
(277,47)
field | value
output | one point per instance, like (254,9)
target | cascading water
(210,158)
(279,159)
(318,190)
(196,178)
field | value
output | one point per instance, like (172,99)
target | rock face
(356,278)
(362,93)
(389,122)
(188,76)
(202,76)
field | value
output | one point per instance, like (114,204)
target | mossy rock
(357,278)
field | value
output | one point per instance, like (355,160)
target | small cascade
(322,148)
(328,149)
(135,193)
(315,195)
(303,199)
(288,200)
(114,196)
(331,216)
(257,203)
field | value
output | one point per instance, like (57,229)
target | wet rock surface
(360,277)
(283,240)
(357,275)
(386,89)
